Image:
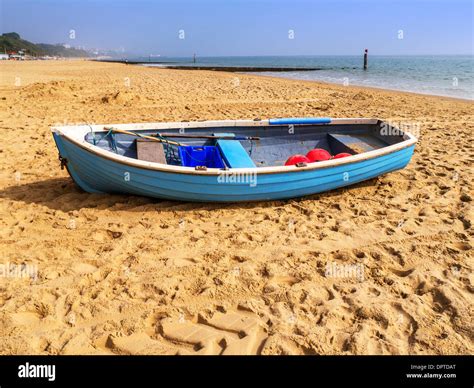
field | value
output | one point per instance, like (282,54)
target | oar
(183,135)
(143,136)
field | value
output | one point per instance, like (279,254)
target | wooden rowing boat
(231,160)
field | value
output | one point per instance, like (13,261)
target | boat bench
(150,151)
(353,144)
(234,154)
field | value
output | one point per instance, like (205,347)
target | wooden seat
(234,154)
(151,151)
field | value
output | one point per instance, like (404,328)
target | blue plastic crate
(209,156)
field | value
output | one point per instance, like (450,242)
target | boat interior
(244,146)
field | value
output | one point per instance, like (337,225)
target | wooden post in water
(366,54)
(194,58)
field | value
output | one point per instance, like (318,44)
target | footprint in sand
(462,246)
(134,344)
(233,332)
(84,268)
(283,280)
(26,318)
(402,273)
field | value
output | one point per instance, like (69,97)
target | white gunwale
(76,134)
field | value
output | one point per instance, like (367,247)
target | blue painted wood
(234,154)
(300,120)
(224,134)
(96,174)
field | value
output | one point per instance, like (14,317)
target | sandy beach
(383,267)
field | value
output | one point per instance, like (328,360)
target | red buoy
(296,159)
(342,155)
(318,155)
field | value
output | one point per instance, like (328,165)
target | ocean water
(451,76)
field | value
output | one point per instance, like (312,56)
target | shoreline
(258,72)
(322,83)
(372,88)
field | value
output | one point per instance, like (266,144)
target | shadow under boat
(64,195)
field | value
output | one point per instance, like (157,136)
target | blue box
(209,156)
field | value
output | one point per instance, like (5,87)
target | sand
(384,267)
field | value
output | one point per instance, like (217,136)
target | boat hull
(97,174)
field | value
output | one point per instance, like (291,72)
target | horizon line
(297,55)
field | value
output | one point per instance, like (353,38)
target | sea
(443,75)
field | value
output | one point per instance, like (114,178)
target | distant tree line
(12,42)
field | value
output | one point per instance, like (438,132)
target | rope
(171,153)
(112,140)
(158,138)
(92,133)
(166,141)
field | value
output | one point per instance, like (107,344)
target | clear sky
(244,27)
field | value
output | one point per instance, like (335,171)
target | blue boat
(230,161)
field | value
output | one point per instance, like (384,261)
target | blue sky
(244,27)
